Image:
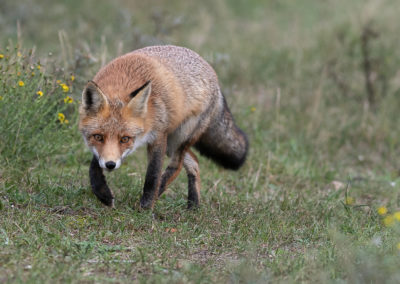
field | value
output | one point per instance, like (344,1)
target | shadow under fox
(167,98)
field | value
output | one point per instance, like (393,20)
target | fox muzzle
(109,164)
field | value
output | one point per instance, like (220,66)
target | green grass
(295,78)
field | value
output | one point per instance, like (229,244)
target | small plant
(35,110)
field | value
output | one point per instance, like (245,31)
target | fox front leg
(156,155)
(99,183)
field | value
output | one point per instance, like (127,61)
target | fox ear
(93,98)
(139,100)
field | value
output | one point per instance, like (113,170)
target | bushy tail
(224,142)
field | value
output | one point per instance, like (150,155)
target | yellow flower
(61,117)
(388,220)
(398,246)
(19,54)
(382,210)
(39,93)
(252,109)
(21,83)
(64,87)
(349,200)
(33,74)
(38,67)
(58,81)
(66,121)
(68,100)
(1,56)
(396,215)
(72,77)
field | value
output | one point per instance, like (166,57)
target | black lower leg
(169,172)
(193,193)
(99,183)
(153,177)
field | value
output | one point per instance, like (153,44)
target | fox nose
(110,165)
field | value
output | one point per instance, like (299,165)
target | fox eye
(98,137)
(125,139)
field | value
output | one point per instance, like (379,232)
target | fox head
(112,128)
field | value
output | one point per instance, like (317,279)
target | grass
(323,156)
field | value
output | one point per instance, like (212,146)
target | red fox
(165,97)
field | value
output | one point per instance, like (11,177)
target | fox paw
(105,196)
(107,201)
(193,205)
(146,203)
